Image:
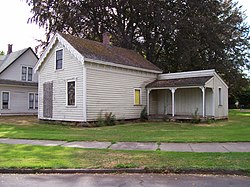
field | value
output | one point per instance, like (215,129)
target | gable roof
(180,82)
(97,52)
(7,60)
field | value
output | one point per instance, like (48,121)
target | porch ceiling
(181,82)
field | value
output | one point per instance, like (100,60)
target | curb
(126,170)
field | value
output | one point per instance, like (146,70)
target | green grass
(237,128)
(39,157)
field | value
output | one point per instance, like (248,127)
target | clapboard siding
(220,111)
(72,70)
(14,71)
(19,100)
(111,89)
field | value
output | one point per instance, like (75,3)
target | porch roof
(180,82)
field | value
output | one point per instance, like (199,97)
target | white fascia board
(65,44)
(121,66)
(187,74)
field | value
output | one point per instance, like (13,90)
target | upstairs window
(59,59)
(137,96)
(27,73)
(71,94)
(24,73)
(30,72)
(5,100)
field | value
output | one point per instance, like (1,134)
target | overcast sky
(15,30)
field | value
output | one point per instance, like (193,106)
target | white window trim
(62,59)
(2,100)
(34,102)
(220,97)
(27,73)
(70,80)
(140,97)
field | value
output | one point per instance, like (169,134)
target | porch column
(173,91)
(148,93)
(203,89)
(213,102)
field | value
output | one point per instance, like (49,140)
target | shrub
(144,114)
(110,119)
(195,117)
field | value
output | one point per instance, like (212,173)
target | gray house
(79,79)
(18,84)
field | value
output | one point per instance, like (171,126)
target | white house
(18,84)
(79,79)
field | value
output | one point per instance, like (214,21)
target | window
(27,73)
(137,96)
(24,73)
(5,100)
(30,71)
(220,97)
(59,59)
(36,101)
(33,101)
(71,93)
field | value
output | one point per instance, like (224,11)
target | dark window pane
(36,101)
(5,100)
(24,73)
(31,101)
(59,58)
(71,93)
(30,71)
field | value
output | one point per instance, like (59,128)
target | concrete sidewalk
(174,147)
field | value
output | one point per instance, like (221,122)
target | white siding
(72,69)
(220,111)
(19,100)
(14,71)
(111,89)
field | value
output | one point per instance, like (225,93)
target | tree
(176,35)
(1,52)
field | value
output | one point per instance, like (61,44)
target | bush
(110,119)
(195,117)
(144,114)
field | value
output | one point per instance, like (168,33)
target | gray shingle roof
(192,81)
(7,60)
(108,53)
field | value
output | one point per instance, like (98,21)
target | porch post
(203,89)
(173,91)
(148,92)
(213,102)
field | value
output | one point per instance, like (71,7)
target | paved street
(121,180)
(178,147)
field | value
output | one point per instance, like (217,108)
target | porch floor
(176,117)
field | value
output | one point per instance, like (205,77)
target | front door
(48,99)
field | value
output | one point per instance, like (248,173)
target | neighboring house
(80,79)
(18,84)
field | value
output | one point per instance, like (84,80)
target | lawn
(39,157)
(237,128)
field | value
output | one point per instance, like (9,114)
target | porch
(183,99)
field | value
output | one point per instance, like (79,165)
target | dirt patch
(19,120)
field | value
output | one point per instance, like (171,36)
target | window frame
(2,100)
(34,101)
(60,49)
(28,68)
(27,73)
(67,97)
(140,102)
(220,96)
